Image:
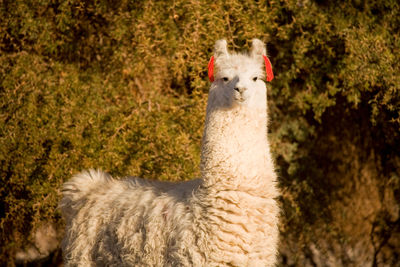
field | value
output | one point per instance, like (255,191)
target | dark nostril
(240,89)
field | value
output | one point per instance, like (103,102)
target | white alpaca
(228,217)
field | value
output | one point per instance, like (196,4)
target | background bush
(122,85)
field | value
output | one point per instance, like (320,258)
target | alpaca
(227,217)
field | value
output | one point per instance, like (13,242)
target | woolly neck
(235,151)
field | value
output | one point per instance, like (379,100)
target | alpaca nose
(240,89)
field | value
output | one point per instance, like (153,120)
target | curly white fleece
(228,217)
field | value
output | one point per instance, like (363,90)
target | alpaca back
(77,188)
(128,222)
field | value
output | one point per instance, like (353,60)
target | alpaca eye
(255,79)
(225,79)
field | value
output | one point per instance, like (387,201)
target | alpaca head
(238,79)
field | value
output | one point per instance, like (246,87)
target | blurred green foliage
(121,86)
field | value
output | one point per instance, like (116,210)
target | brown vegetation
(121,86)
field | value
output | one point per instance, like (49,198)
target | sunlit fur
(228,217)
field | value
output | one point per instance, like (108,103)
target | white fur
(228,217)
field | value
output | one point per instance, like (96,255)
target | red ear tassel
(211,69)
(268,69)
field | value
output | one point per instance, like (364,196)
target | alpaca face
(240,82)
(239,77)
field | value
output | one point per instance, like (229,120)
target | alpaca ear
(221,49)
(257,51)
(257,48)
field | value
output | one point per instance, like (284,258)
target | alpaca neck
(235,150)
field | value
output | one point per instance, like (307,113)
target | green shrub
(121,86)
